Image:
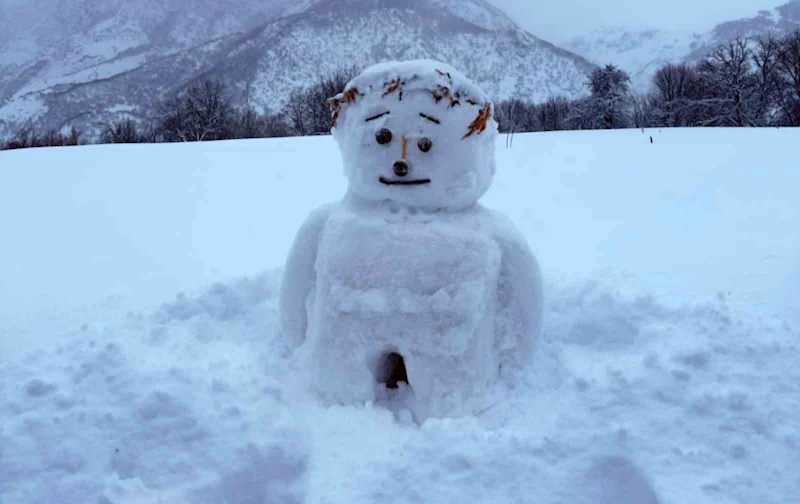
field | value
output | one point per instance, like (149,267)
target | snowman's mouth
(386,181)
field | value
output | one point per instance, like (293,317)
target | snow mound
(152,410)
(668,366)
(668,404)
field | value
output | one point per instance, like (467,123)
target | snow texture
(418,269)
(667,371)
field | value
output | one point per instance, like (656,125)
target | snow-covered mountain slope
(49,45)
(641,53)
(125,63)
(638,53)
(470,35)
(669,370)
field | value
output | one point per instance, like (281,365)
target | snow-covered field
(140,360)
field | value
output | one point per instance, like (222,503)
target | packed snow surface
(668,371)
(407,279)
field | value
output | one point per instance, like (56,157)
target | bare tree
(552,114)
(297,111)
(26,137)
(788,63)
(172,121)
(308,109)
(125,131)
(674,82)
(208,111)
(52,138)
(677,92)
(23,138)
(277,125)
(726,74)
(515,116)
(768,86)
(201,113)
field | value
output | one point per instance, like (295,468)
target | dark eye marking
(431,119)
(425,144)
(383,136)
(377,116)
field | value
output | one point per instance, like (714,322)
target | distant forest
(743,83)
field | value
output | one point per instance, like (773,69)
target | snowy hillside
(48,47)
(638,53)
(121,59)
(641,53)
(668,373)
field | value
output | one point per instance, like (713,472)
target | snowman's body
(419,269)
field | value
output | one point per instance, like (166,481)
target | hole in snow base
(393,371)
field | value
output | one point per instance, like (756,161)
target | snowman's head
(417,133)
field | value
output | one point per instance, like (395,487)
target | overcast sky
(557,20)
(560,20)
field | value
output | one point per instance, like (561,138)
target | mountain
(121,59)
(49,47)
(640,53)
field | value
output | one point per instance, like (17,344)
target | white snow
(407,265)
(668,370)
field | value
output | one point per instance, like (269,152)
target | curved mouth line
(404,182)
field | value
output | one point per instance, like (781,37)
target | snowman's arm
(299,277)
(519,295)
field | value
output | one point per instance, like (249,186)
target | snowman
(407,287)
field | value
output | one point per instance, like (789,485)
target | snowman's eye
(425,144)
(383,136)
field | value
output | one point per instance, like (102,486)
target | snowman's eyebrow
(378,116)
(430,118)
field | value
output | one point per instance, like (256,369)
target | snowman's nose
(401,168)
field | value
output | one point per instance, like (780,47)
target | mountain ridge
(641,53)
(273,57)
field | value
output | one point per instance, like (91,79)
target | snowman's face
(413,151)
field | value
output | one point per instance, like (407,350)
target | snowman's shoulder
(498,225)
(308,235)
(318,217)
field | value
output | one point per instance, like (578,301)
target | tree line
(745,82)
(207,111)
